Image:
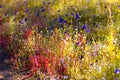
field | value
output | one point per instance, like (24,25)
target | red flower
(27,33)
(46,64)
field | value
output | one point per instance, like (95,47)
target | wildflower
(105,6)
(46,64)
(75,29)
(84,26)
(50,29)
(87,31)
(103,78)
(44,3)
(99,28)
(25,19)
(64,21)
(65,32)
(27,10)
(38,14)
(117,71)
(58,10)
(27,34)
(66,14)
(42,9)
(78,43)
(60,19)
(20,22)
(15,13)
(119,6)
(77,17)
(48,2)
(96,25)
(35,59)
(115,41)
(0,6)
(65,77)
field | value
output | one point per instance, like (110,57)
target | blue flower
(60,20)
(76,17)
(25,19)
(64,21)
(117,71)
(88,31)
(50,29)
(38,14)
(84,26)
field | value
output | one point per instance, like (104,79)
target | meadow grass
(69,40)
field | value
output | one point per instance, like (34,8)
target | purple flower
(65,32)
(84,26)
(42,9)
(44,3)
(117,71)
(96,25)
(27,10)
(66,14)
(119,6)
(20,22)
(58,10)
(78,43)
(49,3)
(0,6)
(77,16)
(99,28)
(15,13)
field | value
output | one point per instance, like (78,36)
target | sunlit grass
(86,47)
